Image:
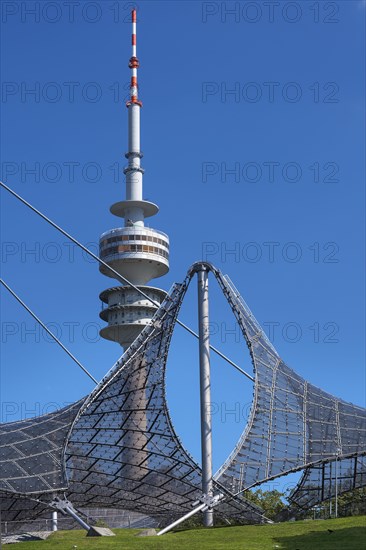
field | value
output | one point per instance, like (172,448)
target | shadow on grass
(352,538)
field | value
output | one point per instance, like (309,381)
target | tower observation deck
(136,252)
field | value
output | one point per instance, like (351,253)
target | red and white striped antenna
(134,64)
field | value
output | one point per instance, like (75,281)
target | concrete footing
(100,532)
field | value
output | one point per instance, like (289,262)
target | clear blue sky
(294,133)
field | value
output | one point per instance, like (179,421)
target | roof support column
(205,390)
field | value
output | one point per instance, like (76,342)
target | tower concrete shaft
(136,252)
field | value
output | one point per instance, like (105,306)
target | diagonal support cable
(218,352)
(116,274)
(47,330)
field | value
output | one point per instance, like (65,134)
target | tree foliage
(270,501)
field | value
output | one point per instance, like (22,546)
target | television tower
(135,251)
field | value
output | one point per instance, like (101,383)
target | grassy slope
(348,534)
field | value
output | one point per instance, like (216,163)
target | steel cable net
(323,481)
(32,462)
(123,450)
(292,424)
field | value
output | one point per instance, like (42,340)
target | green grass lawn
(348,534)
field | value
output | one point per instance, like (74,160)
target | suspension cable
(47,330)
(117,275)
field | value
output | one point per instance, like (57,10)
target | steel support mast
(205,390)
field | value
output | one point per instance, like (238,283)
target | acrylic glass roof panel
(292,424)
(318,483)
(31,452)
(19,508)
(123,450)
